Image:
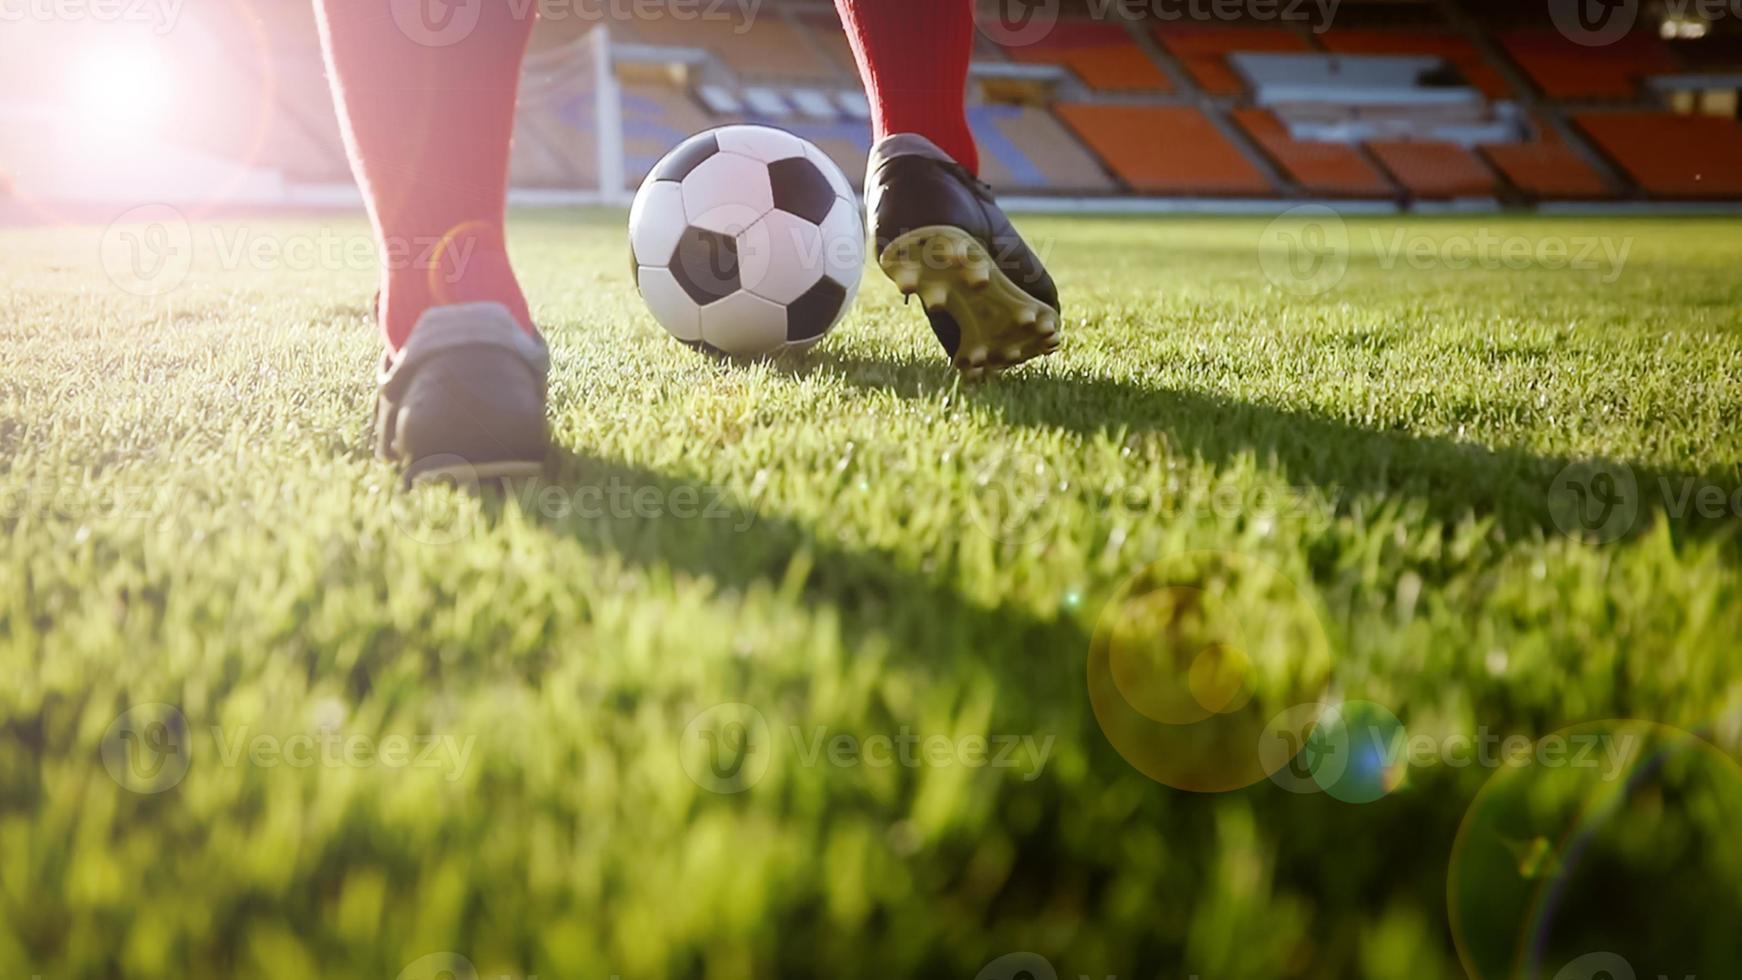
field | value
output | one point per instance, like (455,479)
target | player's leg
(939,234)
(427,110)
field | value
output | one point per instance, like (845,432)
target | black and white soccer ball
(747,240)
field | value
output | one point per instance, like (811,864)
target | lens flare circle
(1193,661)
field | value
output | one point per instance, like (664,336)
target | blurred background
(1588,104)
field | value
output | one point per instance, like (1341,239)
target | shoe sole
(950,271)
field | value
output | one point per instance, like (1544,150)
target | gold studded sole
(1002,326)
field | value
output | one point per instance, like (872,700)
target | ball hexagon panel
(843,237)
(705,264)
(800,188)
(724,188)
(687,156)
(759,142)
(811,315)
(744,323)
(830,169)
(670,303)
(656,219)
(780,257)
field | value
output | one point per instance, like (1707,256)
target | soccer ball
(746,240)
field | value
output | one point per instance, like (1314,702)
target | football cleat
(941,236)
(465,399)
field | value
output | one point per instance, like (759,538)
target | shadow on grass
(1063,829)
(1522,491)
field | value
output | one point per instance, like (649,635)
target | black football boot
(464,400)
(941,236)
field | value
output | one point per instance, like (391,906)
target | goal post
(608,119)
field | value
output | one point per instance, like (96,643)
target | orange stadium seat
(1565,70)
(1435,170)
(776,49)
(1103,55)
(1671,155)
(1320,167)
(1165,149)
(1203,50)
(1546,167)
(1456,49)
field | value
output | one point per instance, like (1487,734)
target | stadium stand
(1561,69)
(1022,146)
(1546,167)
(1459,51)
(1332,169)
(1165,149)
(1434,170)
(1203,50)
(1397,100)
(1671,155)
(1102,55)
(825,33)
(774,48)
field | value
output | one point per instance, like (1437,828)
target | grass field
(266,715)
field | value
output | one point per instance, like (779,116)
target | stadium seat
(1454,48)
(1203,50)
(826,32)
(1025,148)
(1435,170)
(814,104)
(1165,149)
(1671,155)
(1562,69)
(1546,167)
(655,119)
(775,50)
(1103,55)
(1320,167)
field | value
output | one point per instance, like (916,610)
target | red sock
(913,57)
(428,116)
